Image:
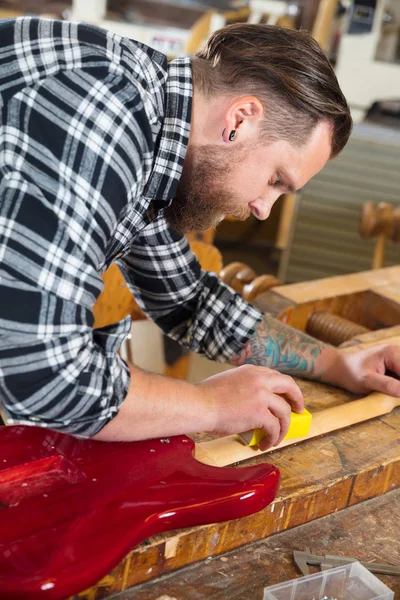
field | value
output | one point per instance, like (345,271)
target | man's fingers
(384,384)
(272,431)
(276,423)
(392,359)
(284,384)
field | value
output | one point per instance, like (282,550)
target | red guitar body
(72,509)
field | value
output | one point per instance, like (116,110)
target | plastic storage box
(350,582)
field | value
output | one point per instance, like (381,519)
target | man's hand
(250,397)
(365,371)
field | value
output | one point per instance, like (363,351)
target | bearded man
(110,153)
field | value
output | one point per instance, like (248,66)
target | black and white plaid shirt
(93,134)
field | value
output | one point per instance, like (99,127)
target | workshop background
(347,219)
(339,496)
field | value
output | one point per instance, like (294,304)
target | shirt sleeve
(64,159)
(191,305)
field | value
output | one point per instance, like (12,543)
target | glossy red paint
(72,509)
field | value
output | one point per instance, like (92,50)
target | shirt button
(117,256)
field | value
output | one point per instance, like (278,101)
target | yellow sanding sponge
(299,427)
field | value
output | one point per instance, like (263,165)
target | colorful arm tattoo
(277,346)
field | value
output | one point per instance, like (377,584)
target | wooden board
(340,285)
(360,531)
(319,477)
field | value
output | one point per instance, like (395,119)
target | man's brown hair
(286,70)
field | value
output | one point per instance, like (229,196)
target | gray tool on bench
(304,560)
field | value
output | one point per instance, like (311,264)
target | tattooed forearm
(280,347)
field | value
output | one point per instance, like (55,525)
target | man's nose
(261,208)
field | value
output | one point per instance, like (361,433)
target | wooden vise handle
(260,285)
(377,221)
(237,275)
(228,450)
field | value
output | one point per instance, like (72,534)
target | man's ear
(243,118)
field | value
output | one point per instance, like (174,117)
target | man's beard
(204,194)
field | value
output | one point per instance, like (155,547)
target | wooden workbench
(318,478)
(369,531)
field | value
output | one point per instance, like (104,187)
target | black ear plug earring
(232,134)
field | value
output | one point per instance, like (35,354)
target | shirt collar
(172,141)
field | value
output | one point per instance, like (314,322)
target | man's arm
(278,346)
(237,400)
